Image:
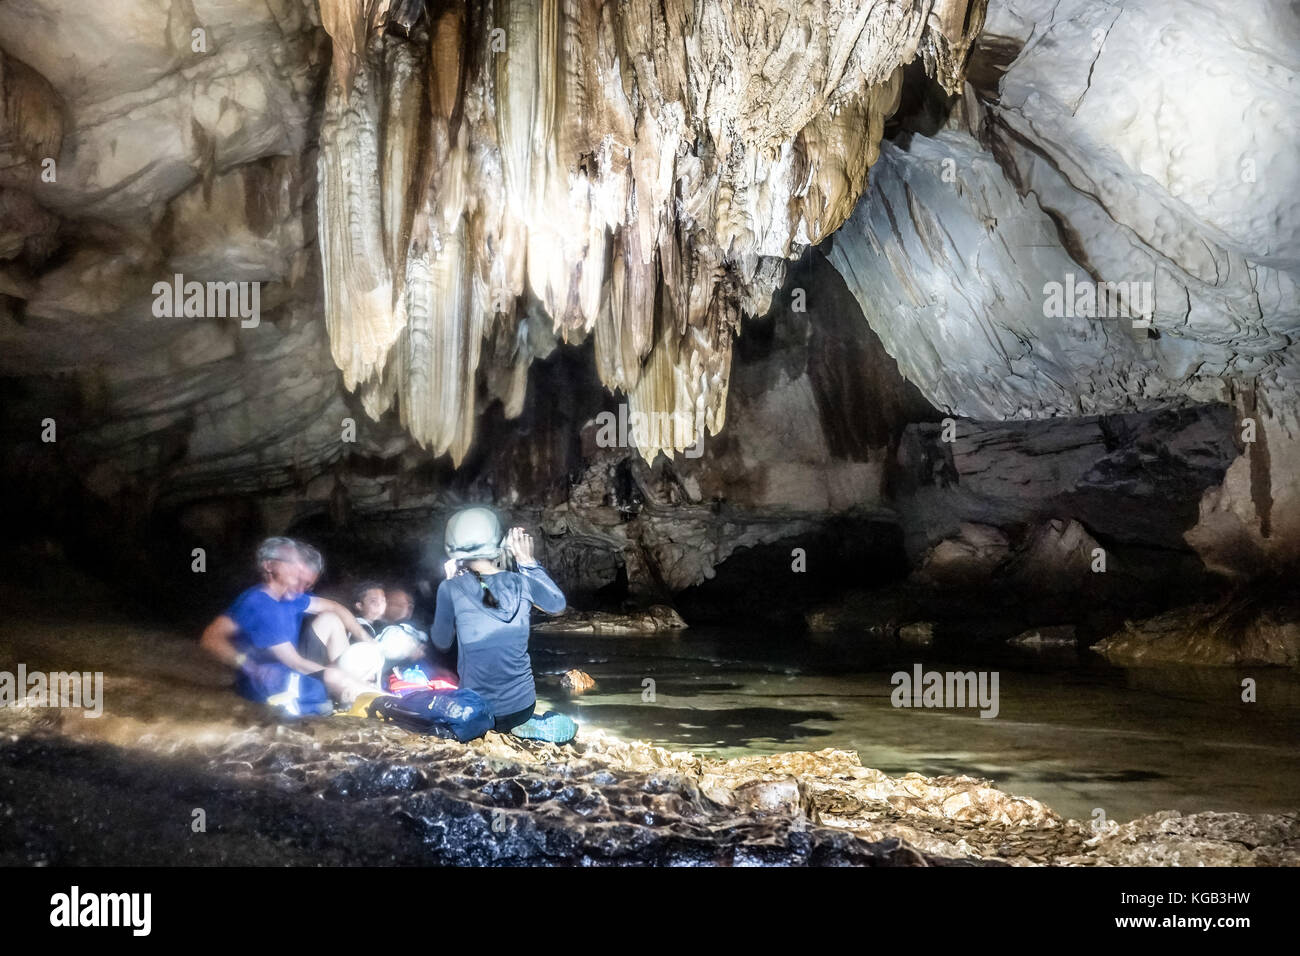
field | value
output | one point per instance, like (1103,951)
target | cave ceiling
(637,172)
(432,196)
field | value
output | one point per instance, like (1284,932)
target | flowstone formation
(496,174)
(1085,237)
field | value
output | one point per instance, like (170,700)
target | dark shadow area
(97,805)
(760,585)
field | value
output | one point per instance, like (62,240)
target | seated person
(397,619)
(400,608)
(405,644)
(325,639)
(361,658)
(485,610)
(258,633)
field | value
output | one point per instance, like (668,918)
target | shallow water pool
(1071,731)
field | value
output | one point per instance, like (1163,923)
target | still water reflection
(1070,730)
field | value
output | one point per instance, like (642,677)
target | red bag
(403,687)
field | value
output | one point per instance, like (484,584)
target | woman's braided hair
(489,599)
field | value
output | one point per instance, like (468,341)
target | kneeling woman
(486,610)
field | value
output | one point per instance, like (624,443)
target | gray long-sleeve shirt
(493,656)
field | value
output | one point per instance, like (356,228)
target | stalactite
(31,122)
(359,302)
(405,124)
(639,171)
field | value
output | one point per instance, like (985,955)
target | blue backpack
(453,714)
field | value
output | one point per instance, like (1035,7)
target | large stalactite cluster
(492,173)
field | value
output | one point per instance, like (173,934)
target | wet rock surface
(1257,626)
(1199,839)
(337,791)
(576,682)
(659,617)
(123,788)
(1132,479)
(1061,635)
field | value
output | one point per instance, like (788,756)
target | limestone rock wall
(1107,224)
(1169,191)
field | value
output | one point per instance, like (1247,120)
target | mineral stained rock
(576,683)
(1207,635)
(1128,477)
(1083,238)
(918,633)
(1056,635)
(971,555)
(1171,838)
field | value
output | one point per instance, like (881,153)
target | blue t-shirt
(264,622)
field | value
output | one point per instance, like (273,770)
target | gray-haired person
(257,635)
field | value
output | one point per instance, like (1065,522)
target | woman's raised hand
(520,545)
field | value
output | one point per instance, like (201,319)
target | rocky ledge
(338,790)
(127,787)
(658,617)
(1259,625)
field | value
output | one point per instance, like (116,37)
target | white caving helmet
(473,533)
